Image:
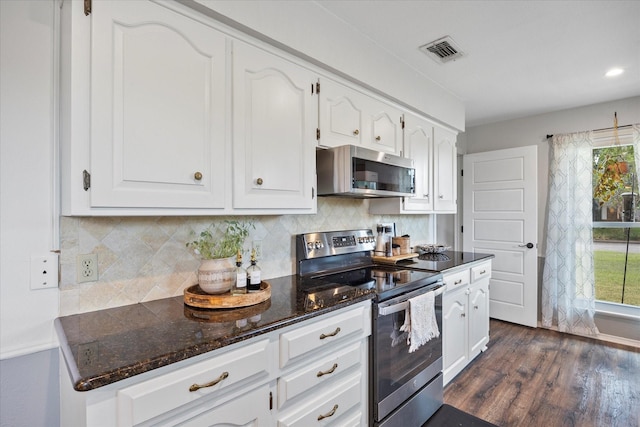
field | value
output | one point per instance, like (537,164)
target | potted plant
(217,271)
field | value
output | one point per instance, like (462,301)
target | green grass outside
(609,270)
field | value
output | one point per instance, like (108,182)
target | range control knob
(310,246)
(319,244)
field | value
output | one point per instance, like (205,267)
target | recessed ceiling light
(614,72)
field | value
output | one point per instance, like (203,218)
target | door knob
(528,245)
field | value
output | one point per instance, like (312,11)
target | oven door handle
(390,309)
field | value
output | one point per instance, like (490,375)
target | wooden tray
(196,297)
(393,259)
(224,316)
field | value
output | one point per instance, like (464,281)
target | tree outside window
(616,233)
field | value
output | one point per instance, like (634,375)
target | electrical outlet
(257,246)
(44,272)
(87,268)
(87,354)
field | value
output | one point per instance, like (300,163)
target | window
(616,232)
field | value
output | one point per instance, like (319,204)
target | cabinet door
(478,317)
(341,115)
(445,171)
(454,336)
(418,145)
(386,128)
(157,108)
(274,125)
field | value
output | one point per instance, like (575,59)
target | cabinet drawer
(327,408)
(354,323)
(456,280)
(156,396)
(481,271)
(327,369)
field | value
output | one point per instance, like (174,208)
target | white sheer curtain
(568,284)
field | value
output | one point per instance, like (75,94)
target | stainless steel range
(405,388)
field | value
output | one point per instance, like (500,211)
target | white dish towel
(420,321)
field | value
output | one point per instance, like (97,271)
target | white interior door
(501,217)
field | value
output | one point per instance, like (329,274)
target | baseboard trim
(600,337)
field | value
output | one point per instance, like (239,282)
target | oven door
(397,374)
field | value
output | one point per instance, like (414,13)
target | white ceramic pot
(216,276)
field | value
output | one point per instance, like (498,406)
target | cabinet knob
(426,196)
(378,138)
(197,176)
(457,282)
(328,414)
(356,132)
(475,306)
(259,181)
(441,196)
(463,315)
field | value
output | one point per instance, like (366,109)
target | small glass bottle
(253,274)
(240,287)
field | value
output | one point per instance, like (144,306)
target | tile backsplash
(145,258)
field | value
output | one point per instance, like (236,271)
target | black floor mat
(448,416)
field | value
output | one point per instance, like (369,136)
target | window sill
(620,311)
(615,224)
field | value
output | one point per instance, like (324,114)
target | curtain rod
(599,130)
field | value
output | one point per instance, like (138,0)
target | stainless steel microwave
(351,171)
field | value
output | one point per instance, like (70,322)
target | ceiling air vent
(442,50)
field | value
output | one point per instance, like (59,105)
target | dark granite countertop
(447,260)
(106,346)
(110,345)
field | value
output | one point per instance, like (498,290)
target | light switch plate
(44,271)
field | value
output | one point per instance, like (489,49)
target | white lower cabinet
(323,381)
(465,318)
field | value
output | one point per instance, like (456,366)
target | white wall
(27,149)
(27,226)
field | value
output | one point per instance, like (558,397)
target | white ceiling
(522,57)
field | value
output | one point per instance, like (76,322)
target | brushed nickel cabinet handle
(378,138)
(356,132)
(332,334)
(328,414)
(197,176)
(483,271)
(327,372)
(259,181)
(195,387)
(457,282)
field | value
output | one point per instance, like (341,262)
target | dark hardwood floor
(537,377)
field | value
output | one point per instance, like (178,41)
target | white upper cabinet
(433,150)
(274,125)
(386,128)
(444,171)
(348,116)
(341,116)
(157,109)
(418,145)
